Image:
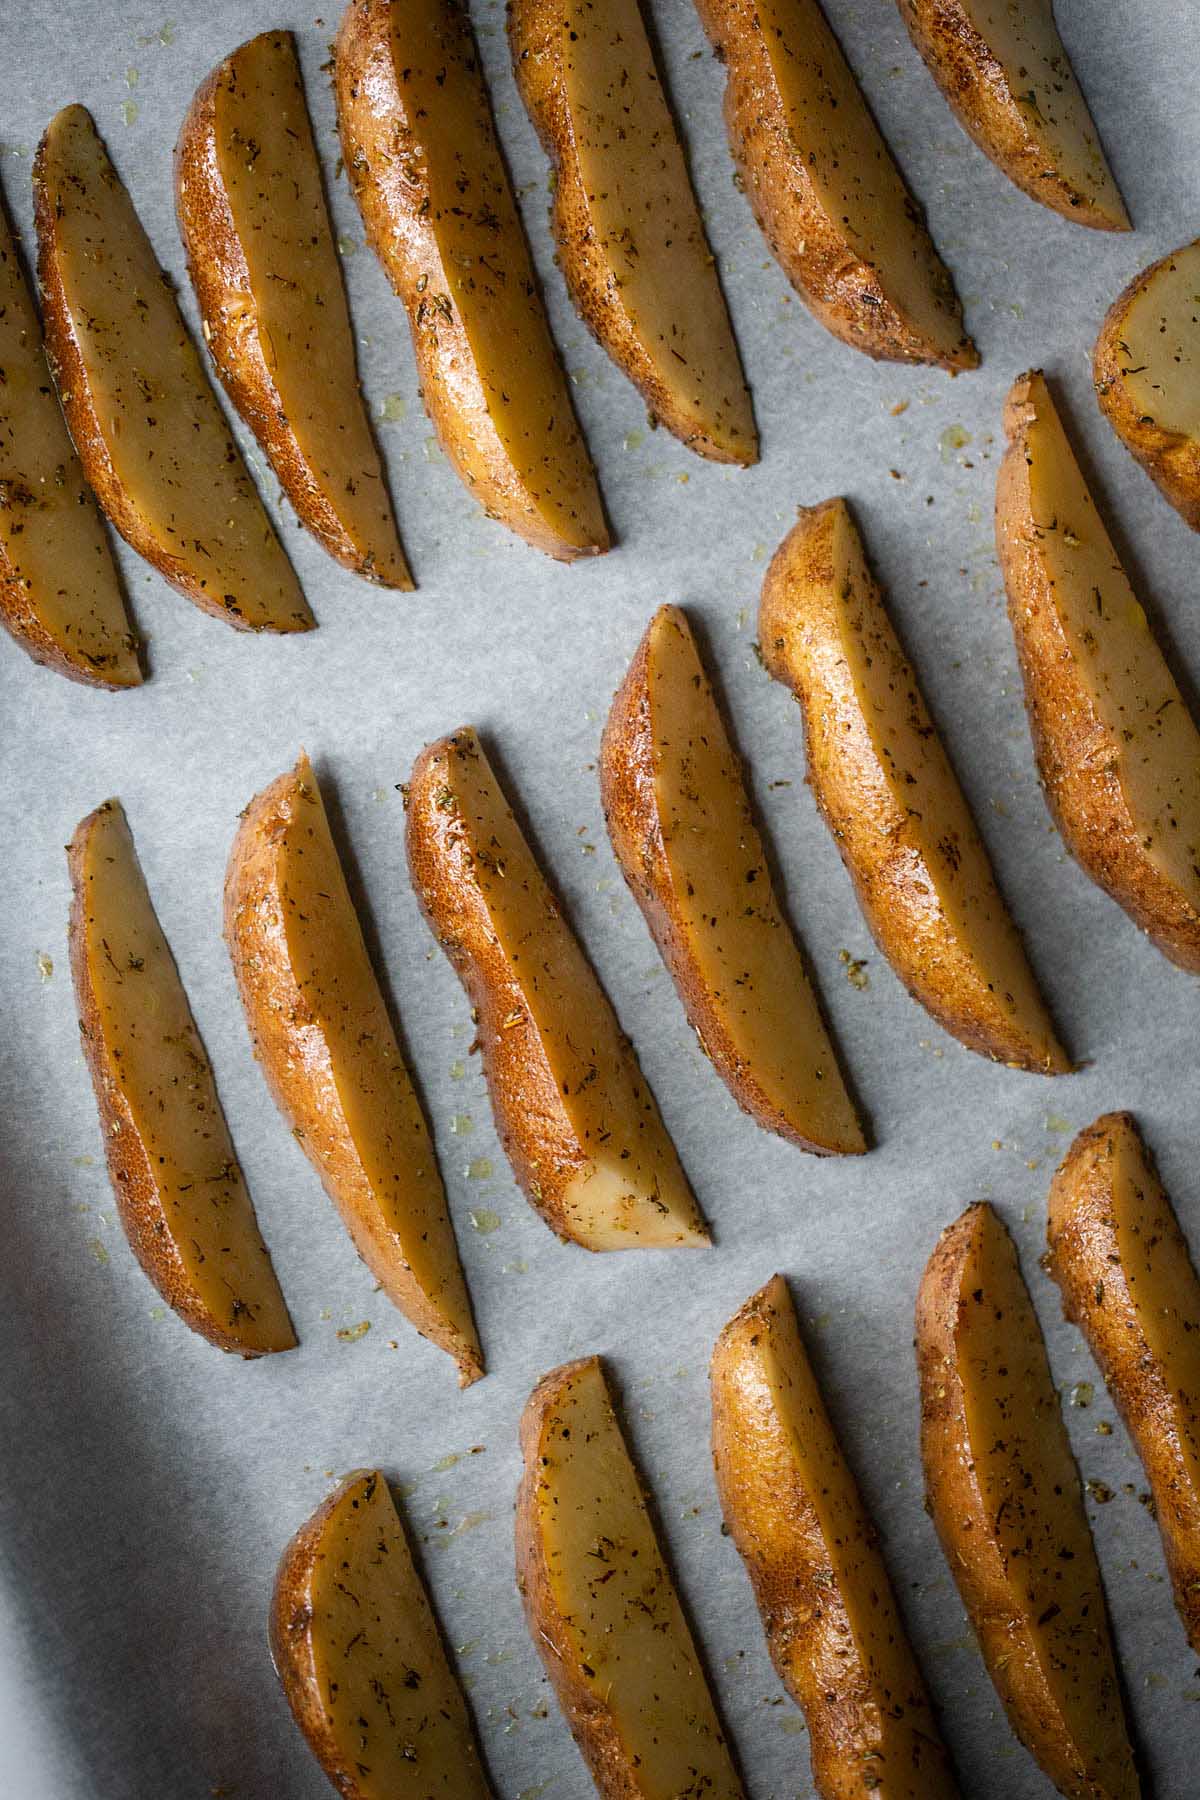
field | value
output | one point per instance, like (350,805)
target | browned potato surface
(252,215)
(422,158)
(680,821)
(1127,1281)
(601,1605)
(325,1040)
(361,1660)
(794,1512)
(577,1121)
(179,1190)
(1004,1494)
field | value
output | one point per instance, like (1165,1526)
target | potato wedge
(422,157)
(577,1121)
(680,822)
(149,431)
(888,793)
(631,242)
(795,1514)
(1117,750)
(1146,366)
(180,1194)
(828,197)
(252,214)
(1127,1280)
(601,1606)
(361,1660)
(324,1038)
(60,594)
(1004,1494)
(1009,80)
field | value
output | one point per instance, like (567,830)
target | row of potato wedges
(143,429)
(1119,757)
(362,1664)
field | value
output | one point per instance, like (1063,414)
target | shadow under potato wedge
(631,240)
(888,793)
(1003,1491)
(150,433)
(423,162)
(180,1193)
(1006,74)
(795,1514)
(679,817)
(1127,1280)
(325,1041)
(261,254)
(601,1605)
(826,192)
(1117,750)
(361,1660)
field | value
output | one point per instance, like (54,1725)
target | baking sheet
(149,1482)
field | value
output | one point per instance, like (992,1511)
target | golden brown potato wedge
(1127,1281)
(1004,1494)
(680,821)
(361,1660)
(795,1514)
(577,1121)
(422,157)
(180,1193)
(323,1035)
(1005,72)
(888,793)
(828,197)
(149,431)
(1117,750)
(601,1605)
(60,595)
(260,248)
(631,242)
(1147,371)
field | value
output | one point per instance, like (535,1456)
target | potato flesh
(1159,345)
(616,1603)
(158,1061)
(51,539)
(391,1702)
(164,435)
(269,168)
(745,951)
(1115,657)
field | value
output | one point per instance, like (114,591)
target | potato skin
(1075,754)
(1160,1404)
(1171,459)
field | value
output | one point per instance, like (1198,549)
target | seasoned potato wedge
(150,435)
(601,1605)
(795,1514)
(890,797)
(1117,750)
(1004,1494)
(1127,1281)
(680,822)
(179,1190)
(60,595)
(1147,372)
(260,248)
(577,1121)
(827,195)
(422,157)
(361,1660)
(631,242)
(1004,70)
(322,1033)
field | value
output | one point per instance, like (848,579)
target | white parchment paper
(149,1483)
